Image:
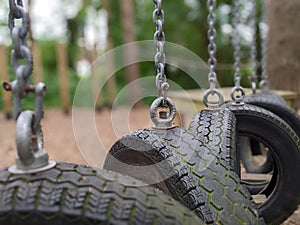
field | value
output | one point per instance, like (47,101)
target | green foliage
(185,24)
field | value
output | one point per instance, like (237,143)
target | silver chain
(32,158)
(21,86)
(253,76)
(236,43)
(212,61)
(160,57)
(212,47)
(264,84)
(238,92)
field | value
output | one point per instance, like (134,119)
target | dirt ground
(62,146)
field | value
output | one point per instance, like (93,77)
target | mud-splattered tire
(75,194)
(143,156)
(230,202)
(284,144)
(218,129)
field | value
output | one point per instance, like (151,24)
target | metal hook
(32,157)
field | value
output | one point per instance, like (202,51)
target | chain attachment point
(163,119)
(238,94)
(32,157)
(213,103)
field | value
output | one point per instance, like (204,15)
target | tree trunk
(62,64)
(283,45)
(7,102)
(130,55)
(111,83)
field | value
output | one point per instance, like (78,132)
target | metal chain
(253,76)
(160,57)
(212,47)
(32,157)
(238,92)
(264,83)
(21,86)
(165,119)
(236,43)
(212,61)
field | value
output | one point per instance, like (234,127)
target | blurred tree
(129,35)
(283,45)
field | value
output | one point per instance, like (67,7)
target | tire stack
(203,166)
(172,176)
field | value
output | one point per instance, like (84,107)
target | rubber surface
(143,156)
(284,145)
(273,103)
(76,194)
(230,201)
(289,115)
(267,95)
(218,129)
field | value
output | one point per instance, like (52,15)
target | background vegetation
(185,24)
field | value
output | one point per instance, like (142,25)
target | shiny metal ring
(163,123)
(238,98)
(213,104)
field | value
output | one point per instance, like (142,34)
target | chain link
(264,83)
(21,85)
(212,47)
(253,22)
(236,43)
(237,93)
(212,61)
(160,57)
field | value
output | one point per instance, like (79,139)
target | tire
(283,191)
(75,194)
(218,129)
(283,111)
(271,103)
(143,156)
(230,201)
(267,95)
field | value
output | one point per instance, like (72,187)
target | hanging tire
(230,202)
(268,95)
(75,194)
(143,156)
(218,130)
(283,111)
(273,104)
(283,191)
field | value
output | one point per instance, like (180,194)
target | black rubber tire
(218,129)
(284,145)
(230,201)
(289,115)
(164,170)
(267,95)
(76,194)
(273,104)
